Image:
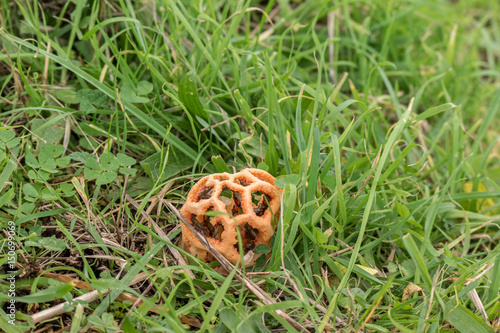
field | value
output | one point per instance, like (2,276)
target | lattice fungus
(248,199)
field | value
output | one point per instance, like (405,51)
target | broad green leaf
(28,189)
(188,95)
(81,156)
(107,284)
(125,160)
(261,249)
(31,160)
(282,181)
(53,150)
(156,166)
(49,165)
(320,236)
(88,143)
(6,197)
(52,243)
(466,322)
(130,94)
(63,161)
(12,143)
(144,88)
(403,211)
(109,162)
(66,96)
(49,130)
(106,178)
(47,295)
(127,326)
(92,164)
(7,135)
(48,195)
(128,171)
(43,157)
(67,189)
(89,99)
(263,166)
(39,215)
(91,173)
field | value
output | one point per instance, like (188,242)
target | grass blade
(467,322)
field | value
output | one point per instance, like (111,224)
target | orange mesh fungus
(248,199)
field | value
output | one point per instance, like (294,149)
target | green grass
(379,118)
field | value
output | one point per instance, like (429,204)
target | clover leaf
(53,150)
(128,171)
(66,189)
(109,162)
(30,190)
(105,170)
(106,324)
(133,94)
(89,99)
(106,178)
(125,160)
(92,169)
(47,162)
(81,157)
(49,243)
(6,135)
(43,134)
(8,140)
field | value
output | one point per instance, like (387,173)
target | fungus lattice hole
(203,224)
(248,236)
(241,182)
(218,230)
(232,200)
(236,209)
(205,193)
(226,193)
(260,202)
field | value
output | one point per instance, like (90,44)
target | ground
(379,120)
